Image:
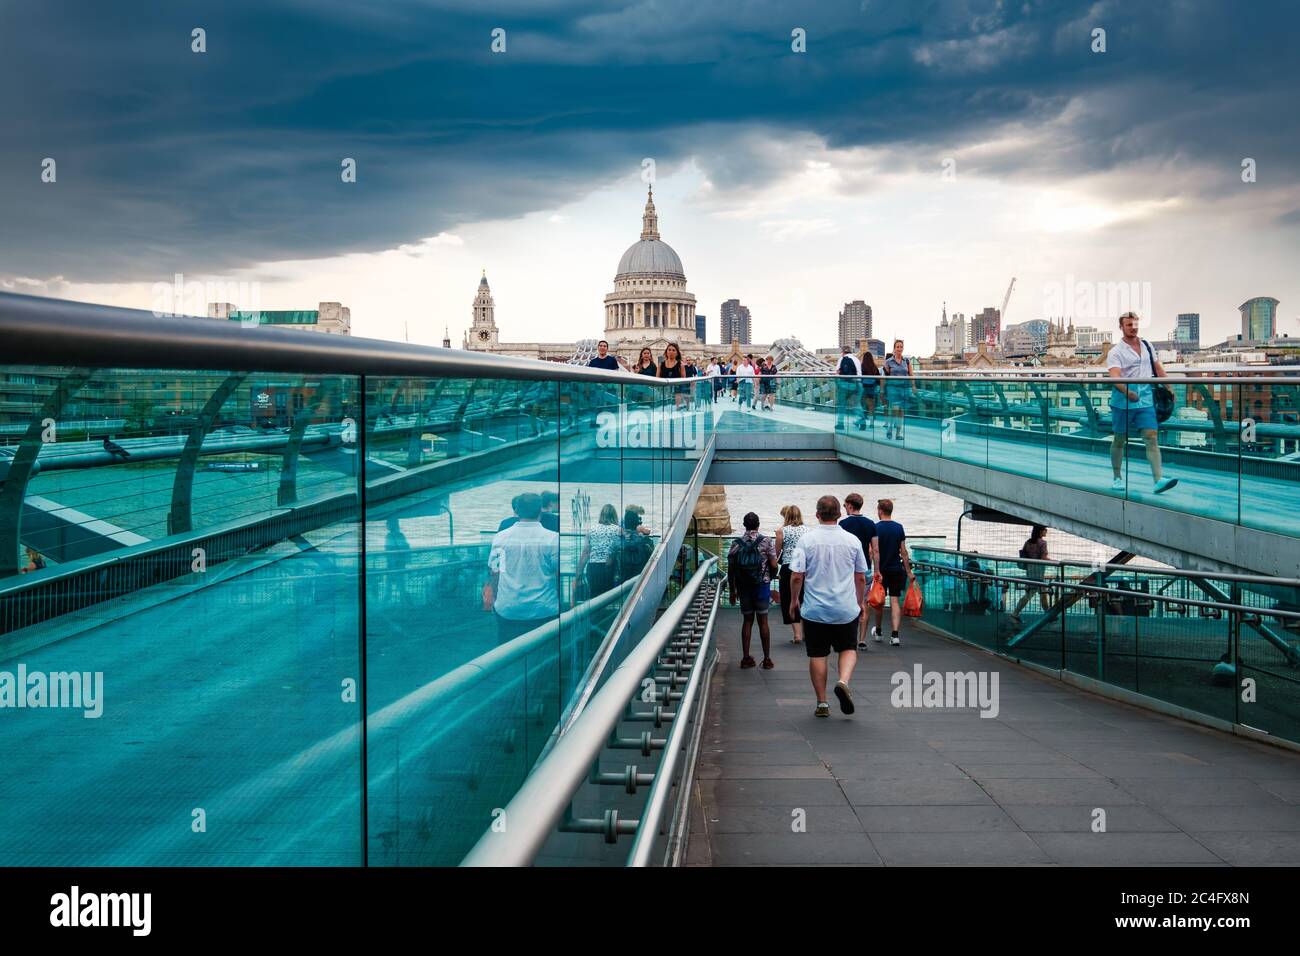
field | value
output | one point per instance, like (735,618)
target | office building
(1258,318)
(1187,331)
(734,322)
(986,328)
(855,323)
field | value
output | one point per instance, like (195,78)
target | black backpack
(747,566)
(849,368)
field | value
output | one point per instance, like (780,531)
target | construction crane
(1005,299)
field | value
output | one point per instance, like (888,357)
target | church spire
(650,219)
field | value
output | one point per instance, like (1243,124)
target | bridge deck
(899,786)
(1269,504)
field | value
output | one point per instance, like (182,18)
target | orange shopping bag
(914,603)
(876,596)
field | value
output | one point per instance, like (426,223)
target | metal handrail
(537,808)
(1110,592)
(41,331)
(59,332)
(648,829)
(1162,572)
(1285,375)
(596,666)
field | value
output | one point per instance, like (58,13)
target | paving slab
(934,786)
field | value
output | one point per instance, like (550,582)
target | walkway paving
(897,786)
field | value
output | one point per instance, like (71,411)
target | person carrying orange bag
(914,603)
(876,596)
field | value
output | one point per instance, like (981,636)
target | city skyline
(988,143)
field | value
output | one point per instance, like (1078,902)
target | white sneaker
(1117,484)
(875,633)
(894,640)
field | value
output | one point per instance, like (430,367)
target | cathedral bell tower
(482,334)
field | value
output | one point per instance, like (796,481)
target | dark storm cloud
(170,160)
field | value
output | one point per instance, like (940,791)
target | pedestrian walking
(864,529)
(828,581)
(894,565)
(751,559)
(788,537)
(1132,407)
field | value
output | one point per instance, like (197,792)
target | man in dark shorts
(864,529)
(827,581)
(751,560)
(894,565)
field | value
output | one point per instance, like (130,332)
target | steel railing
(537,811)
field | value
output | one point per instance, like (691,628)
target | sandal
(768,664)
(748,661)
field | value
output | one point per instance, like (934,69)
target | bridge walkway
(892,786)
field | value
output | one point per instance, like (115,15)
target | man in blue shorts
(1132,407)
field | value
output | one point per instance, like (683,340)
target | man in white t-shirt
(827,582)
(524,563)
(1132,407)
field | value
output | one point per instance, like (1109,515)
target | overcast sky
(916,153)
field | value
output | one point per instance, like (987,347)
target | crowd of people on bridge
(748,382)
(821,572)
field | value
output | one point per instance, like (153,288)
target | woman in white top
(787,539)
(745,373)
(600,551)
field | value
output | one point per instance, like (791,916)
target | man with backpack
(1133,407)
(848,389)
(751,560)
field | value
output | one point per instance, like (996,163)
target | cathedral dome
(651,254)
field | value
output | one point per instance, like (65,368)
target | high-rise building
(946,341)
(960,332)
(734,322)
(855,323)
(333,318)
(1258,318)
(986,328)
(701,328)
(1187,330)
